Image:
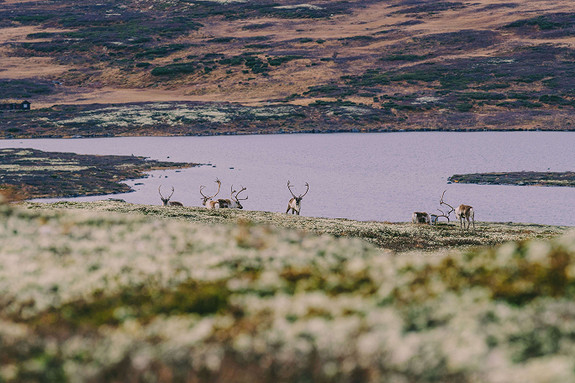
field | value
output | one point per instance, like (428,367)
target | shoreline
(310,131)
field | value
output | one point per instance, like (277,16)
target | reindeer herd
(464,213)
(233,202)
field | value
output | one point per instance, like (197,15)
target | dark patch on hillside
(427,7)
(25,88)
(478,81)
(553,25)
(438,44)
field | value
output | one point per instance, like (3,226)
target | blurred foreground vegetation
(114,292)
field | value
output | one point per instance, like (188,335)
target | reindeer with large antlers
(235,201)
(166,201)
(294,204)
(462,213)
(208,200)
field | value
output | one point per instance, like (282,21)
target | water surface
(374,176)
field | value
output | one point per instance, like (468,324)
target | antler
(160,191)
(441,202)
(307,185)
(444,215)
(241,190)
(210,197)
(202,188)
(219,186)
(289,188)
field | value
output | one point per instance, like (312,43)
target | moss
(142,303)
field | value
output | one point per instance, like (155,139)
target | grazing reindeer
(208,200)
(166,201)
(294,204)
(420,217)
(235,201)
(465,212)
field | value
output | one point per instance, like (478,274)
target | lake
(363,176)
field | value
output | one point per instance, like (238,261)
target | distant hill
(418,65)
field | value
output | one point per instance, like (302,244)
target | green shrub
(175,69)
(463,106)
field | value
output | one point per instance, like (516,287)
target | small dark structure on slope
(24,105)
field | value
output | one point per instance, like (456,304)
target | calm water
(379,176)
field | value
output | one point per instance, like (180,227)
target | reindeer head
(234,198)
(207,198)
(165,201)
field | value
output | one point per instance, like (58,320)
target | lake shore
(31,173)
(214,119)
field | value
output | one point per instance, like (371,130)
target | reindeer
(166,201)
(420,217)
(463,212)
(294,204)
(233,202)
(208,200)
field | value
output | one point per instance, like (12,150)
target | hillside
(94,296)
(257,66)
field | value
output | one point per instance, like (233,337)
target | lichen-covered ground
(171,295)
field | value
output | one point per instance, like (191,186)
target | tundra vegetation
(108,291)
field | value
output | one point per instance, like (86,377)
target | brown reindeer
(463,212)
(166,201)
(294,203)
